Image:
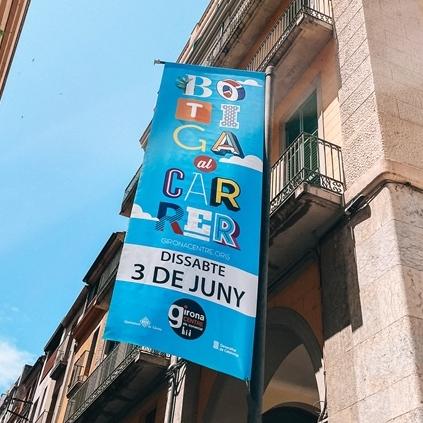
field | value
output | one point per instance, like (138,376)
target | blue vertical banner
(188,275)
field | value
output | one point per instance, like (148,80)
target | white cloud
(252,162)
(138,213)
(12,361)
(250,82)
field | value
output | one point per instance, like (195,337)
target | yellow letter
(218,196)
(202,142)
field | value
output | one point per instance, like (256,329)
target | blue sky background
(79,94)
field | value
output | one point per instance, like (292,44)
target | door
(301,135)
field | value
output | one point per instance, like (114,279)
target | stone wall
(372,278)
(373,299)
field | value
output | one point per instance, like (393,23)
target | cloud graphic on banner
(250,82)
(252,162)
(138,213)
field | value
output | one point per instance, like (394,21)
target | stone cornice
(385,170)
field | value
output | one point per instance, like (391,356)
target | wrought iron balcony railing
(102,377)
(297,9)
(44,417)
(308,159)
(61,358)
(78,371)
(233,27)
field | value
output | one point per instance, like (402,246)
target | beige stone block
(388,357)
(349,415)
(392,402)
(408,74)
(410,244)
(395,88)
(407,204)
(351,26)
(377,19)
(394,40)
(347,48)
(410,113)
(402,140)
(374,408)
(415,416)
(390,54)
(377,254)
(352,84)
(398,90)
(342,21)
(357,98)
(405,396)
(362,145)
(413,282)
(387,104)
(336,346)
(390,8)
(354,122)
(351,63)
(381,68)
(381,212)
(339,7)
(414,30)
(387,300)
(341,375)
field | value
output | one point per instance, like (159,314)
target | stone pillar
(372,267)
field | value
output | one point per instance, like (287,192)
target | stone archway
(290,341)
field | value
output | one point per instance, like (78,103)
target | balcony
(310,19)
(108,276)
(293,43)
(78,373)
(146,367)
(61,360)
(44,417)
(306,198)
(129,195)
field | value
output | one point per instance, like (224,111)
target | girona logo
(205,164)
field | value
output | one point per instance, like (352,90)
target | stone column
(372,267)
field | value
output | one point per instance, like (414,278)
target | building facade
(345,311)
(12,18)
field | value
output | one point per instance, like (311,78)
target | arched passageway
(289,415)
(293,363)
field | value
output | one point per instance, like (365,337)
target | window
(305,119)
(109,347)
(301,142)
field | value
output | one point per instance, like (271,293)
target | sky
(79,94)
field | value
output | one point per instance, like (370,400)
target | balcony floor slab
(298,224)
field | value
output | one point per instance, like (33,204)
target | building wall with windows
(366,72)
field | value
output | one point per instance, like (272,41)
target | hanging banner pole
(171,392)
(255,402)
(188,274)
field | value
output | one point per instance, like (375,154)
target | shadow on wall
(339,279)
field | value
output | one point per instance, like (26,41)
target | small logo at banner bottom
(145,322)
(187,319)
